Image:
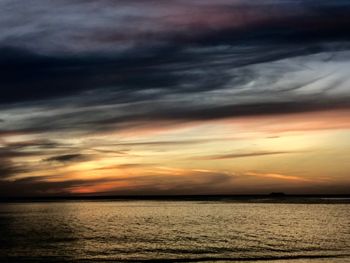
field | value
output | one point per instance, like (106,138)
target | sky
(132,97)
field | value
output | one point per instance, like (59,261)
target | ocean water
(174,231)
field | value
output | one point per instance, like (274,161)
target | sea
(175,231)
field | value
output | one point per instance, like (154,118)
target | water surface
(173,231)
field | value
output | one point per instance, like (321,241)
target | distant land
(276,197)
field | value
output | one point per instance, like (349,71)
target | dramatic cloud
(196,181)
(240,155)
(7,168)
(93,84)
(67,158)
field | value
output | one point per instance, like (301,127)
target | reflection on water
(144,230)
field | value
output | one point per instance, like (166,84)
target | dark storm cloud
(234,110)
(264,32)
(173,71)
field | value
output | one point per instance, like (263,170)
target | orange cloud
(311,121)
(279,176)
(98,187)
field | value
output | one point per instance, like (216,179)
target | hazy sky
(174,97)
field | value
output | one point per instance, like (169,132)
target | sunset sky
(133,97)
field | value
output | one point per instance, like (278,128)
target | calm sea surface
(138,231)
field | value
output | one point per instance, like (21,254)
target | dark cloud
(241,155)
(7,169)
(199,183)
(18,149)
(68,158)
(126,166)
(176,78)
(164,143)
(228,111)
(41,144)
(196,182)
(146,114)
(38,186)
(145,72)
